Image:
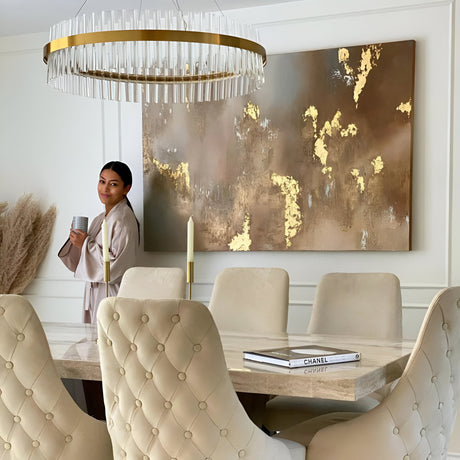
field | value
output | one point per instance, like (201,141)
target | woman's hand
(77,238)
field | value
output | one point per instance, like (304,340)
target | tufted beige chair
(251,299)
(153,283)
(38,418)
(415,421)
(353,304)
(167,391)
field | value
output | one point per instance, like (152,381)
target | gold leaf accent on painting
(242,241)
(180,177)
(351,130)
(405,107)
(377,163)
(369,57)
(344,56)
(359,180)
(328,129)
(252,110)
(292,216)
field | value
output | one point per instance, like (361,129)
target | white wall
(53,144)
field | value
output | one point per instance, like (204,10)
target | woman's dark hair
(126,176)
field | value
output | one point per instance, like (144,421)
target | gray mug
(80,223)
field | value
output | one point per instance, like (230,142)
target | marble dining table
(75,353)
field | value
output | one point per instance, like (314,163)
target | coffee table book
(302,356)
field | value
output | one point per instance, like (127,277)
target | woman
(82,252)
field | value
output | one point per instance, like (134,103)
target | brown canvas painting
(318,159)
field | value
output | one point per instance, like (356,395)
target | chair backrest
(153,283)
(415,421)
(38,417)
(251,299)
(358,304)
(167,391)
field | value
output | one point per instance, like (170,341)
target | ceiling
(30,16)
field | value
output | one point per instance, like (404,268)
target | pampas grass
(24,239)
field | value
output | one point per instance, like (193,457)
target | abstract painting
(320,158)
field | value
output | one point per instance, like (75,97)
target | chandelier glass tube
(169,56)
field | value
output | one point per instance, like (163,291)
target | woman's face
(111,188)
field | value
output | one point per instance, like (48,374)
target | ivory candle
(105,242)
(190,236)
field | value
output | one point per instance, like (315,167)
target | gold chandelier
(170,56)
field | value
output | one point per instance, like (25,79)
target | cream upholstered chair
(38,417)
(358,304)
(354,304)
(415,421)
(167,391)
(251,299)
(153,283)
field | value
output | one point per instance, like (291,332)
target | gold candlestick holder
(190,278)
(107,277)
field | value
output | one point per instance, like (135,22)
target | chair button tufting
(223,432)
(197,347)
(145,457)
(144,319)
(160,347)
(415,406)
(241,453)
(133,347)
(49,416)
(138,403)
(149,375)
(2,311)
(109,342)
(202,405)
(9,365)
(155,431)
(16,419)
(35,443)
(7,446)
(434,379)
(116,316)
(123,453)
(445,326)
(429,457)
(406,457)
(20,337)
(68,438)
(449,353)
(395,430)
(122,371)
(29,392)
(440,405)
(181,376)
(128,427)
(422,432)
(116,399)
(175,318)
(168,404)
(187,434)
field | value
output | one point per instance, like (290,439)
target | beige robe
(87,262)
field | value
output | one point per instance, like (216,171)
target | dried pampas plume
(24,239)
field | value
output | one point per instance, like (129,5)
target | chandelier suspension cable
(158,56)
(81,7)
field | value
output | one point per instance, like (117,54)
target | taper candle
(190,236)
(105,242)
(105,255)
